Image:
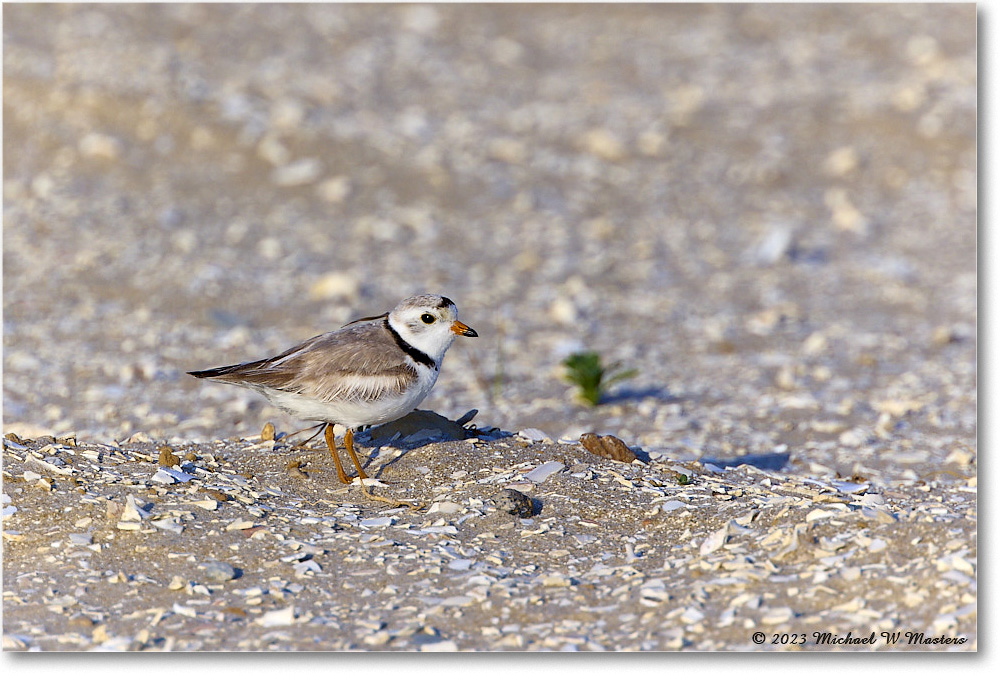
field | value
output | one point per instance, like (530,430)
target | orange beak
(459,328)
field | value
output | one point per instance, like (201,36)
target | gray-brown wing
(358,362)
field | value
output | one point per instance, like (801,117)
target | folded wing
(358,362)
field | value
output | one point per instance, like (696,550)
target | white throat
(432,343)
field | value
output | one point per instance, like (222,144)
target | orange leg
(332,444)
(349,443)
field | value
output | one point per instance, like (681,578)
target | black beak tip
(470,333)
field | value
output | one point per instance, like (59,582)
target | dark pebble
(515,503)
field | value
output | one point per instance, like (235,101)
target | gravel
(767,211)
(613,556)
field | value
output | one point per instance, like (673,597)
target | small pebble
(535,435)
(267,433)
(167,457)
(539,474)
(384,521)
(217,571)
(610,447)
(514,503)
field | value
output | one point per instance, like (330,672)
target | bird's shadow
(405,447)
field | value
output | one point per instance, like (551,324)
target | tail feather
(216,372)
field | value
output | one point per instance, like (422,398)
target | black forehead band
(445,302)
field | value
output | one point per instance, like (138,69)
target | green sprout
(584,369)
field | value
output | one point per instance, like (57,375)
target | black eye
(427,318)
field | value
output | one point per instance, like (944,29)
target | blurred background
(769,211)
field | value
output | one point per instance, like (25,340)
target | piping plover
(371,371)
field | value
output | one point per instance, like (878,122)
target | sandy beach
(768,211)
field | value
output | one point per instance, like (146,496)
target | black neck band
(412,352)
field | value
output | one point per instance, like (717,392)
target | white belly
(356,413)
